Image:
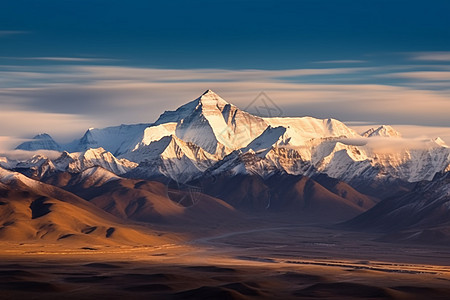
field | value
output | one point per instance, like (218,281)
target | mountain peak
(43,136)
(208,101)
(214,124)
(208,91)
(209,97)
(440,142)
(38,142)
(382,131)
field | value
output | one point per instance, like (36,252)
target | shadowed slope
(144,201)
(298,195)
(423,215)
(34,210)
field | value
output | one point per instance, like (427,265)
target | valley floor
(267,261)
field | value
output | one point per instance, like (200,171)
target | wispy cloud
(422,76)
(61,59)
(4,33)
(24,155)
(94,73)
(7,143)
(440,56)
(152,74)
(342,61)
(70,98)
(23,122)
(408,131)
(390,146)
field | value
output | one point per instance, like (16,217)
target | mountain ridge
(208,160)
(208,130)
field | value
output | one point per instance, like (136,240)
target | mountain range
(209,159)
(211,135)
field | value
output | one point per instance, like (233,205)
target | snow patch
(382,131)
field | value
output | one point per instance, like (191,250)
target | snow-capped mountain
(40,142)
(341,158)
(210,134)
(7,163)
(171,157)
(301,131)
(76,162)
(214,124)
(117,139)
(97,176)
(8,177)
(35,167)
(383,131)
(80,161)
(440,142)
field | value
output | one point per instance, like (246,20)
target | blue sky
(69,65)
(224,34)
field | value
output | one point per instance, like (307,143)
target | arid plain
(246,259)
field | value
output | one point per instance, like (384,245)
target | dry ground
(254,262)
